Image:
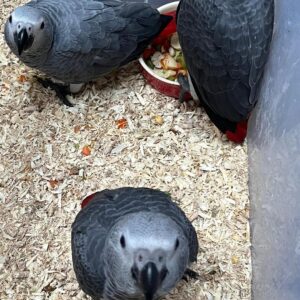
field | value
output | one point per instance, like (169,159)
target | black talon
(184,86)
(60,90)
(190,273)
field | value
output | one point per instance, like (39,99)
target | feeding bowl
(167,87)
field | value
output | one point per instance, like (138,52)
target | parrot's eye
(176,244)
(122,241)
(42,25)
(10,19)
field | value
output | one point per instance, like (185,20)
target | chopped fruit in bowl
(166,60)
(163,60)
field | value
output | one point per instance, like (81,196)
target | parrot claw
(60,90)
(190,273)
(184,87)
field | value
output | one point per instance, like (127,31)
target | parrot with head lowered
(77,41)
(131,243)
(225,44)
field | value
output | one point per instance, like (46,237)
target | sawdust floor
(44,176)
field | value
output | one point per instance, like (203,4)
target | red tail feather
(171,28)
(240,134)
(86,200)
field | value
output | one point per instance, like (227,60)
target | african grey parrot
(225,44)
(77,41)
(131,243)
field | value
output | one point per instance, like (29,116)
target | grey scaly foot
(60,90)
(184,87)
(190,273)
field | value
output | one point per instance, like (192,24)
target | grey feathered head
(28,30)
(145,256)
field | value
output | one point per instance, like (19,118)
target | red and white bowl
(164,86)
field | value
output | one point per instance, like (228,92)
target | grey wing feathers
(90,279)
(226,49)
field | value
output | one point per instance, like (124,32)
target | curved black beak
(23,40)
(150,279)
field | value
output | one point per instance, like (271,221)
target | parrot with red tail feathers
(131,243)
(225,44)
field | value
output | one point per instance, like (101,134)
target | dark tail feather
(168,26)
(165,20)
(223,124)
(235,132)
(240,133)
